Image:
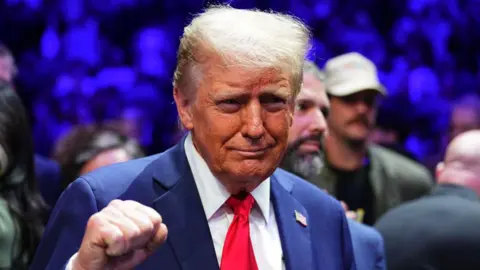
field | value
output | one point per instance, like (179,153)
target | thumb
(92,252)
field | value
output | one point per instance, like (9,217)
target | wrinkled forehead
(221,76)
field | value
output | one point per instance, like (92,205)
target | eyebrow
(228,94)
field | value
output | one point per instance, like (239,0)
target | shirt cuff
(70,262)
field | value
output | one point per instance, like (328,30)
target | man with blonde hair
(219,192)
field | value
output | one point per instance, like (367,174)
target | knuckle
(156,218)
(165,230)
(133,233)
(132,203)
(96,219)
(115,203)
(145,226)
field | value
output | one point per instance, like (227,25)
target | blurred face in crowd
(461,165)
(106,158)
(309,126)
(353,116)
(239,118)
(6,69)
(463,119)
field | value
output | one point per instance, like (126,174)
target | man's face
(309,122)
(309,125)
(463,119)
(239,119)
(353,116)
(6,69)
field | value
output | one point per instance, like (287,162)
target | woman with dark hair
(22,209)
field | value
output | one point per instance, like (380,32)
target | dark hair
(18,184)
(83,143)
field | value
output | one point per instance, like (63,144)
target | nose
(318,124)
(362,106)
(252,121)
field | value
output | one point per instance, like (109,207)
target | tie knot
(241,206)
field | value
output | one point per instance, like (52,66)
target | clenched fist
(121,236)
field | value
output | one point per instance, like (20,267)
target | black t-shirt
(355,189)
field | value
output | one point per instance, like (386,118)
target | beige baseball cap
(350,73)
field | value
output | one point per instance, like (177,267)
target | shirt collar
(213,193)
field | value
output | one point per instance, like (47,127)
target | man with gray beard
(304,156)
(305,159)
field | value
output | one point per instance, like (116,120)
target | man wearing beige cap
(368,178)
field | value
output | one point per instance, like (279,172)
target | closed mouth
(251,152)
(311,142)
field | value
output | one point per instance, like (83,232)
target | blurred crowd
(82,61)
(96,80)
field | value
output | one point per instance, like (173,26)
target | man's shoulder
(120,172)
(399,165)
(445,204)
(391,157)
(110,182)
(309,195)
(363,232)
(438,219)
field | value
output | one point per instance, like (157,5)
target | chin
(308,153)
(253,170)
(359,135)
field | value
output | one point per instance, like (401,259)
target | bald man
(441,230)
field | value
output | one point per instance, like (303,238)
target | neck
(240,186)
(343,155)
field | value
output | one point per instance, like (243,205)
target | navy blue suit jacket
(165,183)
(47,173)
(367,247)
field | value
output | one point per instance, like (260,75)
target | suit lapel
(183,213)
(295,237)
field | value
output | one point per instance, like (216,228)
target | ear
(439,170)
(183,108)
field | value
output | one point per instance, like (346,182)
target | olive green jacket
(394,179)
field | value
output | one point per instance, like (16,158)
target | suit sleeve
(64,232)
(348,256)
(380,263)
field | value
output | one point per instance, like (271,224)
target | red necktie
(237,249)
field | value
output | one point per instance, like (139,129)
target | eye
(230,101)
(325,112)
(229,105)
(272,102)
(302,106)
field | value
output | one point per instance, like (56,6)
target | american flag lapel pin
(300,218)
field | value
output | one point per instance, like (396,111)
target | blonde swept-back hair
(247,38)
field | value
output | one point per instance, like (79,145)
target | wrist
(75,263)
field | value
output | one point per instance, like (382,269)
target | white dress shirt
(264,235)
(267,246)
